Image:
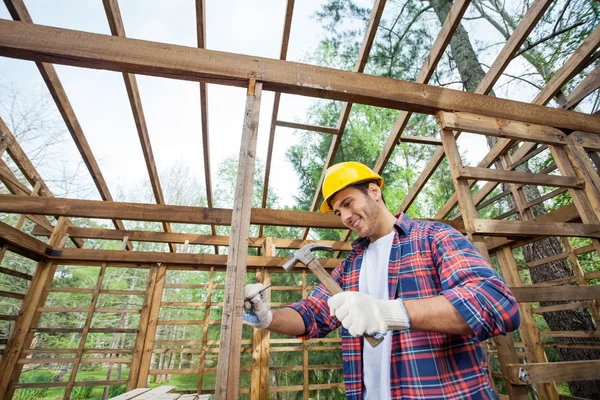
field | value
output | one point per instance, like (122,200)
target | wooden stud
(227,383)
(134,369)
(153,314)
(204,341)
(529,332)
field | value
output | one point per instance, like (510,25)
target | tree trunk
(471,74)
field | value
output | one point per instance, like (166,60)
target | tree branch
(551,36)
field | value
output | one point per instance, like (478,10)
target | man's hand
(258,309)
(360,313)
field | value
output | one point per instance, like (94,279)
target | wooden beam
(19,12)
(63,46)
(113,14)
(515,41)
(208,240)
(159,212)
(589,141)
(20,239)
(528,178)
(533,228)
(564,371)
(556,293)
(587,86)
(27,169)
(305,127)
(503,128)
(228,368)
(287,27)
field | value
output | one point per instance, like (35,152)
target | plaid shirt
(427,259)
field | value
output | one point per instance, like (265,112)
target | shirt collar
(402,225)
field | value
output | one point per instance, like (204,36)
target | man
(421,283)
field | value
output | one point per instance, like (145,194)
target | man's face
(357,210)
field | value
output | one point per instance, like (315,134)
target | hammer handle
(333,288)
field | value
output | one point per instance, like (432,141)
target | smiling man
(422,284)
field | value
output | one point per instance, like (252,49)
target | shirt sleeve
(473,287)
(315,311)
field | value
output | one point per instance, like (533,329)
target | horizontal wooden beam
(554,371)
(556,293)
(528,178)
(502,128)
(160,212)
(91,50)
(305,127)
(171,237)
(589,141)
(139,257)
(420,140)
(533,228)
(18,239)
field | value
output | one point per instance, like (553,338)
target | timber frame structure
(525,130)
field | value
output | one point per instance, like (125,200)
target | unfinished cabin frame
(571,137)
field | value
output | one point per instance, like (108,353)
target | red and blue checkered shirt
(427,259)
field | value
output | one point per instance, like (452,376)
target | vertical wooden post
(148,346)
(28,317)
(84,332)
(529,332)
(134,369)
(259,388)
(228,369)
(504,344)
(205,329)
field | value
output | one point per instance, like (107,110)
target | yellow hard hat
(342,175)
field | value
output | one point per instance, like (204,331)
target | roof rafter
(113,14)
(19,12)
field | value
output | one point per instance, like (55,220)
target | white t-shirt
(373,280)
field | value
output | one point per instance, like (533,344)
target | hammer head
(304,255)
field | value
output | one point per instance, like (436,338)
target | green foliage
(33,377)
(81,392)
(114,391)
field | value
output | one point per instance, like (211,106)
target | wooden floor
(159,393)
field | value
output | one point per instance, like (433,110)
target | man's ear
(374,191)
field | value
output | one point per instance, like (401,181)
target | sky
(172,107)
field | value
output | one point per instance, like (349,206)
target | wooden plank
(16,274)
(587,86)
(148,257)
(164,237)
(153,313)
(20,239)
(159,212)
(533,228)
(589,141)
(556,371)
(130,394)
(19,12)
(305,127)
(556,293)
(18,335)
(12,295)
(113,14)
(515,41)
(63,46)
(204,341)
(502,128)
(496,175)
(227,381)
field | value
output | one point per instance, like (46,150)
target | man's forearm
(288,322)
(436,314)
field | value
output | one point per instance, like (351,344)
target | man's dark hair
(363,187)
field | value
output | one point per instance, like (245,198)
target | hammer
(305,256)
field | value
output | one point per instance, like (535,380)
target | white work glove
(257,306)
(362,314)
